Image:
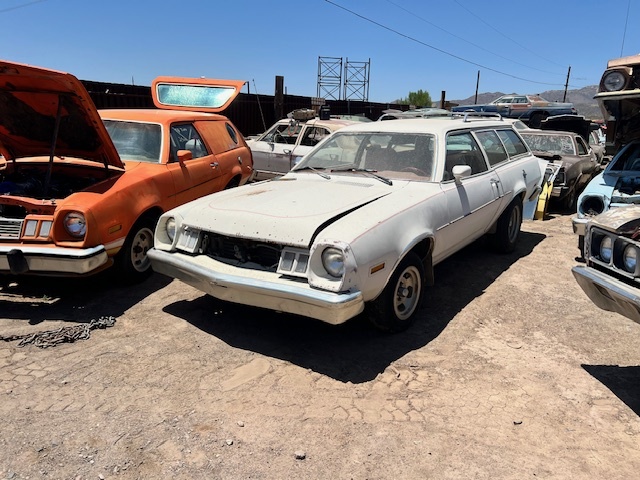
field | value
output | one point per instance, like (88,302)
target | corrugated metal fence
(251,113)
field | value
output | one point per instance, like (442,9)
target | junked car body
(576,161)
(81,190)
(359,223)
(611,276)
(278,149)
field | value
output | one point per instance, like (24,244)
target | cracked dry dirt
(509,373)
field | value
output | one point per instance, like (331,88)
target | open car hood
(569,123)
(45,112)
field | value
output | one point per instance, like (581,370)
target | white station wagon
(359,223)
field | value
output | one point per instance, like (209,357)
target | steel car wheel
(395,308)
(132,260)
(508,228)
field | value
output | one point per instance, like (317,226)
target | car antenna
(259,106)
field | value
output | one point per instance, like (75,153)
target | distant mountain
(581,98)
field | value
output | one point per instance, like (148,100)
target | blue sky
(518,47)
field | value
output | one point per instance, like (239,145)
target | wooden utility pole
(278,98)
(475,100)
(566,85)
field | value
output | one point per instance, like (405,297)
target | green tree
(421,98)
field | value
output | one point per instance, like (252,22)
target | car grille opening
(240,251)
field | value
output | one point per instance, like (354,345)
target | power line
(505,36)
(470,42)
(439,49)
(626,20)
(20,6)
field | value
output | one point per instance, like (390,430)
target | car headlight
(614,81)
(75,224)
(630,258)
(333,261)
(170,228)
(606,247)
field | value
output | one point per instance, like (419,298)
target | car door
(473,202)
(195,177)
(588,161)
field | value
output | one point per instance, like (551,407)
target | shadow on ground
(38,299)
(353,352)
(624,382)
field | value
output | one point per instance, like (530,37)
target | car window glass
(136,140)
(582,148)
(462,149)
(313,135)
(493,147)
(512,143)
(558,144)
(396,155)
(186,137)
(627,159)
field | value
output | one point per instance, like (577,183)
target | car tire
(395,308)
(132,261)
(508,228)
(535,120)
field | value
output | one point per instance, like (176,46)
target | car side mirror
(460,172)
(184,155)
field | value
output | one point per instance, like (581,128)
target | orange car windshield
(135,140)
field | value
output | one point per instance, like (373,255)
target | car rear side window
(512,142)
(492,146)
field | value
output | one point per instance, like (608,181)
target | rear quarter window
(513,144)
(220,136)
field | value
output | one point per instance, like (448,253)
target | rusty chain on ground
(51,338)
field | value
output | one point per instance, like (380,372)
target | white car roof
(332,124)
(435,125)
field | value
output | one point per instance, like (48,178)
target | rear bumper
(26,259)
(257,288)
(608,293)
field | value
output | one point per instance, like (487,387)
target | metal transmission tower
(356,80)
(329,77)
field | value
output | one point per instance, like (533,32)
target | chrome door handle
(214,165)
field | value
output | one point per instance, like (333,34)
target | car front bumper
(608,293)
(60,261)
(579,225)
(261,289)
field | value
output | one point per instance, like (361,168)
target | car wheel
(395,308)
(569,202)
(132,260)
(535,120)
(508,227)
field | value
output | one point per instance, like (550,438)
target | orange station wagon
(81,190)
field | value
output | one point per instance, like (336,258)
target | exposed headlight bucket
(333,261)
(630,258)
(75,224)
(614,81)
(170,228)
(606,247)
(592,205)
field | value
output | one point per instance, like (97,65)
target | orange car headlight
(75,224)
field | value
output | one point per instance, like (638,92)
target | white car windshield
(393,155)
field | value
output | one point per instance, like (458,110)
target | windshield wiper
(369,171)
(322,174)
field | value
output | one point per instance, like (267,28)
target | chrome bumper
(579,225)
(27,259)
(261,289)
(608,293)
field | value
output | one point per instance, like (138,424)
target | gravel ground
(509,373)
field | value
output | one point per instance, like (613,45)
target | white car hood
(279,211)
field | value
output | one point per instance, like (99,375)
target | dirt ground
(509,373)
